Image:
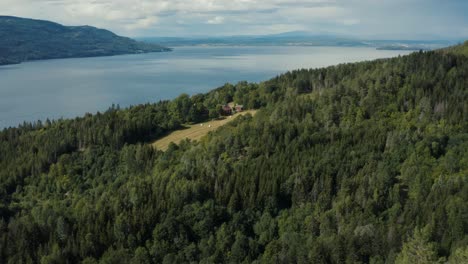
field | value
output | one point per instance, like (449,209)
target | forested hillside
(461,49)
(355,163)
(23,39)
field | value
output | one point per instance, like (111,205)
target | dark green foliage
(356,163)
(27,39)
(461,49)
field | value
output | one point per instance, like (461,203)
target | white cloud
(169,17)
(313,12)
(143,23)
(216,20)
(351,22)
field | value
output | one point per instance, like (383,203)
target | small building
(239,108)
(227,110)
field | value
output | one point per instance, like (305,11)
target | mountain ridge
(300,38)
(25,39)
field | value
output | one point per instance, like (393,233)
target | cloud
(182,17)
(142,23)
(216,20)
(313,13)
(351,22)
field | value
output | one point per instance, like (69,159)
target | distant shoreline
(80,57)
(299,40)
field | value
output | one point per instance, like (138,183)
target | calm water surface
(73,87)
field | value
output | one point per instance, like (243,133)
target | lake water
(72,87)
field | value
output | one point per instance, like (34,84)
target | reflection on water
(72,87)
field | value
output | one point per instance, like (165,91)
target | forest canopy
(354,163)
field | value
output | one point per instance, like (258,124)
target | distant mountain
(24,39)
(296,38)
(299,38)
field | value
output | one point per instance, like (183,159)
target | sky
(371,19)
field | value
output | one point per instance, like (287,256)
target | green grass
(196,131)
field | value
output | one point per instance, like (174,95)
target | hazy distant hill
(24,39)
(300,38)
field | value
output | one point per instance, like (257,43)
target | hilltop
(23,39)
(355,163)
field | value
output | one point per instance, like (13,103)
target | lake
(72,87)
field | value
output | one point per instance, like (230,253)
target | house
(239,108)
(227,110)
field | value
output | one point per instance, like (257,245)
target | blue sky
(376,19)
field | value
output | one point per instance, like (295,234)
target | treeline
(32,147)
(355,163)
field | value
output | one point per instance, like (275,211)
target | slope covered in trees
(355,163)
(461,49)
(24,39)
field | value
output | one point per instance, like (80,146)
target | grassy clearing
(196,131)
